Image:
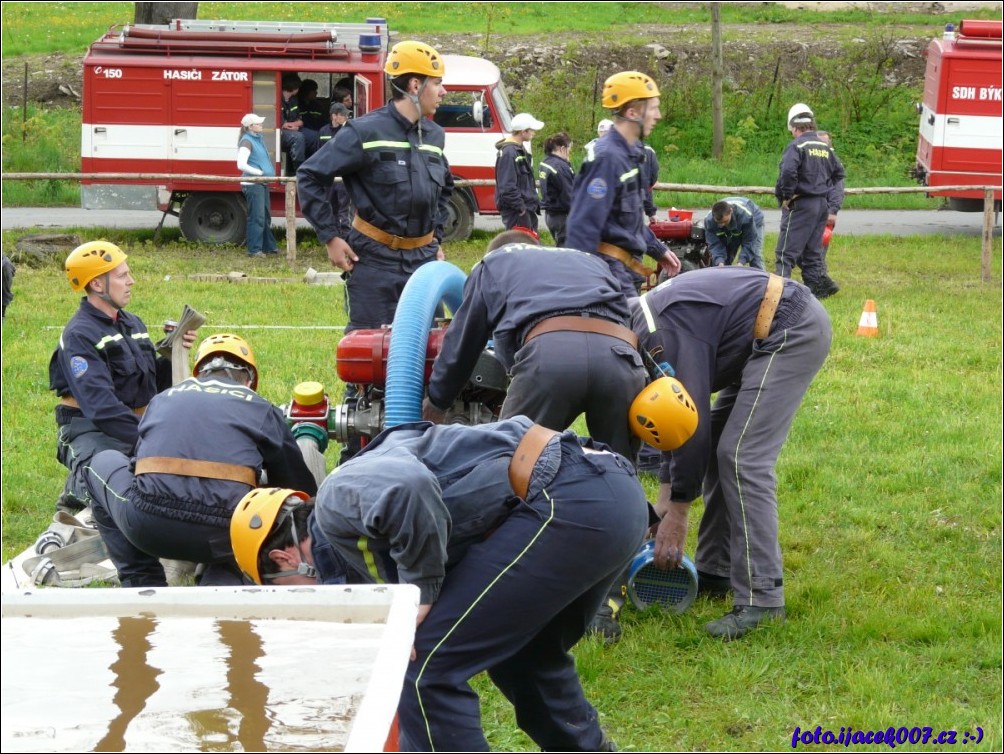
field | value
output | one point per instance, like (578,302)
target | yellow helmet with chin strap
(414,57)
(222,345)
(626,86)
(91,260)
(663,414)
(253,520)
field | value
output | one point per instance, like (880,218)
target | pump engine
(684,237)
(362,365)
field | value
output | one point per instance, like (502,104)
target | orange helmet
(414,57)
(89,260)
(663,414)
(626,86)
(252,522)
(226,343)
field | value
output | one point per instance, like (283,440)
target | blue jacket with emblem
(110,367)
(608,200)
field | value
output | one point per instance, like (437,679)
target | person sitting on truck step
(343,95)
(312,109)
(339,115)
(297,142)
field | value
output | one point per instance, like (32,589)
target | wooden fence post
(290,221)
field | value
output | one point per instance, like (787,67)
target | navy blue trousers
(517,603)
(137,539)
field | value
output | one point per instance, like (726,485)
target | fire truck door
(124,119)
(361,98)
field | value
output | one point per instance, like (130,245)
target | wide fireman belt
(69,400)
(573,323)
(228,472)
(771,297)
(625,257)
(525,457)
(388,239)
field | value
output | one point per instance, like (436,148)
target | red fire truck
(169,99)
(960,118)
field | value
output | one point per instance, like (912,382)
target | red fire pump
(684,237)
(362,365)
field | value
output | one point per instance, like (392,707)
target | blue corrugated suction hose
(431,284)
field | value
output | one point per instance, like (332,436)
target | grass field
(889,488)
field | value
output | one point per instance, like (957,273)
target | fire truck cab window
(457,110)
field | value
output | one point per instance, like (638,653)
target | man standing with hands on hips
(398,180)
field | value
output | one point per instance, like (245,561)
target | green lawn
(889,488)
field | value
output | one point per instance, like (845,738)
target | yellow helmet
(91,259)
(252,522)
(626,86)
(664,414)
(414,57)
(226,343)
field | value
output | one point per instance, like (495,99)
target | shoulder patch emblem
(597,188)
(78,365)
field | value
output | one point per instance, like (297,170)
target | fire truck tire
(460,217)
(214,218)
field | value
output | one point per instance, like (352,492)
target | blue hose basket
(674,589)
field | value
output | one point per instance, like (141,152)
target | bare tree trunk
(162,13)
(717,72)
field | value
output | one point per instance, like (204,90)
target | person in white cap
(253,159)
(515,186)
(809,170)
(601,129)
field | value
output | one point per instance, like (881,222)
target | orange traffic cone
(868,324)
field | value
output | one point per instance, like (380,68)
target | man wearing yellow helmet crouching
(757,340)
(203,444)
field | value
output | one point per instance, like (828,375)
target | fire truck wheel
(214,218)
(460,218)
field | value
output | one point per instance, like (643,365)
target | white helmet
(799,113)
(603,126)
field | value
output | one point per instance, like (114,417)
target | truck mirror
(477,111)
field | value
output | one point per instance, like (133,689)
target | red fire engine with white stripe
(960,118)
(169,98)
